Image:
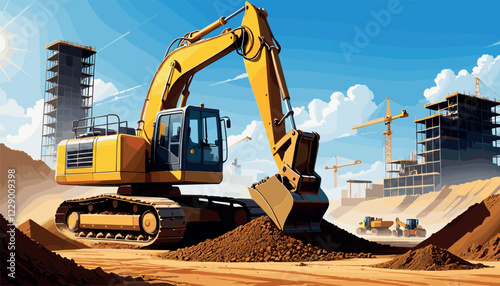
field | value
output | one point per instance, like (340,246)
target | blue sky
(394,48)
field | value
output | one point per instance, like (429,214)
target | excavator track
(147,221)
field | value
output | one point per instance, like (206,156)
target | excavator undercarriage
(151,221)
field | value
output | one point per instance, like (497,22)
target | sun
(7,48)
(3,43)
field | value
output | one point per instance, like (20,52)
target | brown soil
(26,168)
(52,228)
(488,251)
(430,257)
(257,241)
(47,238)
(333,238)
(113,245)
(472,232)
(36,265)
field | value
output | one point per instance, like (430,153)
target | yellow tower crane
(239,141)
(235,162)
(388,133)
(337,166)
(478,91)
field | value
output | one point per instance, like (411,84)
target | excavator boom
(293,197)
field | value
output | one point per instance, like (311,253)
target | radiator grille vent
(79,154)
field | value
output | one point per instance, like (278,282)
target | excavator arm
(400,224)
(292,198)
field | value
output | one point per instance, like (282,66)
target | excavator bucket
(293,198)
(291,212)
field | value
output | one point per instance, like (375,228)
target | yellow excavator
(410,228)
(178,144)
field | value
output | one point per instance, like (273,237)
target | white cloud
(447,82)
(9,106)
(250,129)
(331,120)
(253,155)
(103,90)
(375,172)
(335,119)
(241,76)
(1,127)
(29,135)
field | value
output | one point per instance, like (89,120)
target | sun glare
(3,43)
(6,48)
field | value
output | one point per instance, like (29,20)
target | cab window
(203,142)
(168,138)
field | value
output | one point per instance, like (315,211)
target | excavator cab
(411,223)
(189,139)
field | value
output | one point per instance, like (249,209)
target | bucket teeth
(119,236)
(99,235)
(90,234)
(140,237)
(109,235)
(81,234)
(129,237)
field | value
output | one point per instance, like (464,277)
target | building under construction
(457,143)
(68,93)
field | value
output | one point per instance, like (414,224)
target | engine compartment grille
(79,154)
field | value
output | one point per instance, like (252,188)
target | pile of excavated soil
(488,251)
(430,257)
(26,168)
(50,240)
(114,245)
(51,226)
(336,239)
(472,233)
(257,241)
(36,265)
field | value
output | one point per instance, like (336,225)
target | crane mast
(387,133)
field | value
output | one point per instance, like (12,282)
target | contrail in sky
(495,44)
(114,41)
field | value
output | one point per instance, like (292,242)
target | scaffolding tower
(69,90)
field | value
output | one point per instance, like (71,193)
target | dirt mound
(430,257)
(474,228)
(256,241)
(26,168)
(488,251)
(46,238)
(334,238)
(50,226)
(36,265)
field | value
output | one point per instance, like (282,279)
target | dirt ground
(352,271)
(395,241)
